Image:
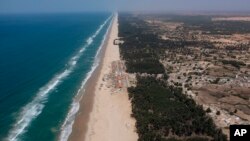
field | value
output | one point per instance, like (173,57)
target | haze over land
(48,6)
(127,70)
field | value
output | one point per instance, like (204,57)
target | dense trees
(162,112)
(139,50)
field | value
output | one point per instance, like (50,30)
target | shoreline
(79,127)
(104,115)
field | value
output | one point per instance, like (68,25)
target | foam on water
(90,40)
(66,128)
(30,111)
(34,108)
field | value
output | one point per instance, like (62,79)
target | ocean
(45,59)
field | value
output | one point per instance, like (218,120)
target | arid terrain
(209,58)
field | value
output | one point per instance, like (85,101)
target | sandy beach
(103,115)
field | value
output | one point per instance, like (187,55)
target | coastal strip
(78,103)
(35,107)
(66,128)
(102,115)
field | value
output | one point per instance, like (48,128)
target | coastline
(79,127)
(93,123)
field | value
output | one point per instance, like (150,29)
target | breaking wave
(66,128)
(31,110)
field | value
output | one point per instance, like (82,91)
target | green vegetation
(208,110)
(206,24)
(138,51)
(234,63)
(161,111)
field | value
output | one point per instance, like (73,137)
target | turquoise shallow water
(43,62)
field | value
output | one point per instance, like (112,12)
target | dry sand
(110,118)
(104,116)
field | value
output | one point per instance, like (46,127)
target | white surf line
(66,128)
(30,111)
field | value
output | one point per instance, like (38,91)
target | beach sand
(104,116)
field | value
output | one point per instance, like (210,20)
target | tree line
(162,112)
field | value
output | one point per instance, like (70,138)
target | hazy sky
(37,6)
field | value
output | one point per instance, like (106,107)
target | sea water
(45,59)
